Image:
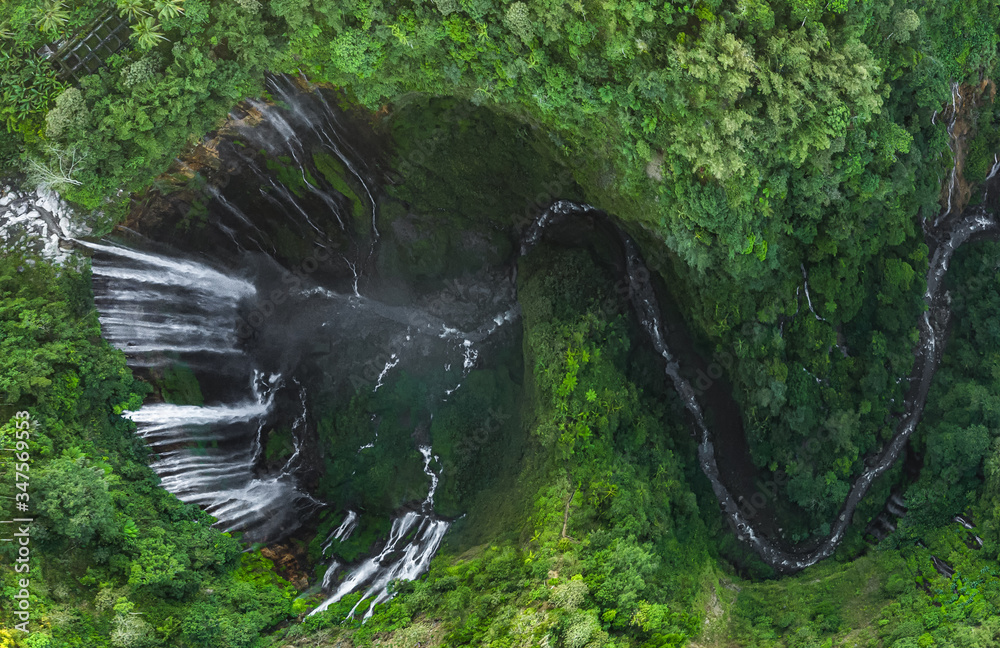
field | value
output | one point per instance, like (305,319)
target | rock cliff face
(961,118)
(290,561)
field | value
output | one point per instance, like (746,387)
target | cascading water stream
(953,146)
(399,559)
(318,120)
(428,504)
(341,533)
(298,432)
(326,131)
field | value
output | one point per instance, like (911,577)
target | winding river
(944,238)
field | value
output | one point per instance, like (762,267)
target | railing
(88,50)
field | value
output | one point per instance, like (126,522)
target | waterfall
(966,524)
(221,478)
(342,532)
(302,123)
(953,146)
(162,419)
(805,283)
(328,575)
(160,310)
(428,504)
(323,127)
(298,432)
(994,168)
(375,573)
(155,308)
(155,270)
(400,558)
(241,217)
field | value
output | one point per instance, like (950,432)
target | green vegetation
(775,159)
(612,548)
(180,386)
(139,111)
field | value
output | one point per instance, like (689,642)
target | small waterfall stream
(413,540)
(151,305)
(341,533)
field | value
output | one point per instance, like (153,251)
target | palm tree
(168,9)
(147,32)
(51,16)
(133,9)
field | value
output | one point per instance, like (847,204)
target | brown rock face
(955,191)
(290,562)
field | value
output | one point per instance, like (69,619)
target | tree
(158,565)
(74,501)
(620,574)
(58,170)
(129,629)
(146,33)
(904,23)
(69,113)
(52,16)
(134,10)
(167,9)
(518,20)
(582,628)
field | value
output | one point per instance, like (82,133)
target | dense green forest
(776,160)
